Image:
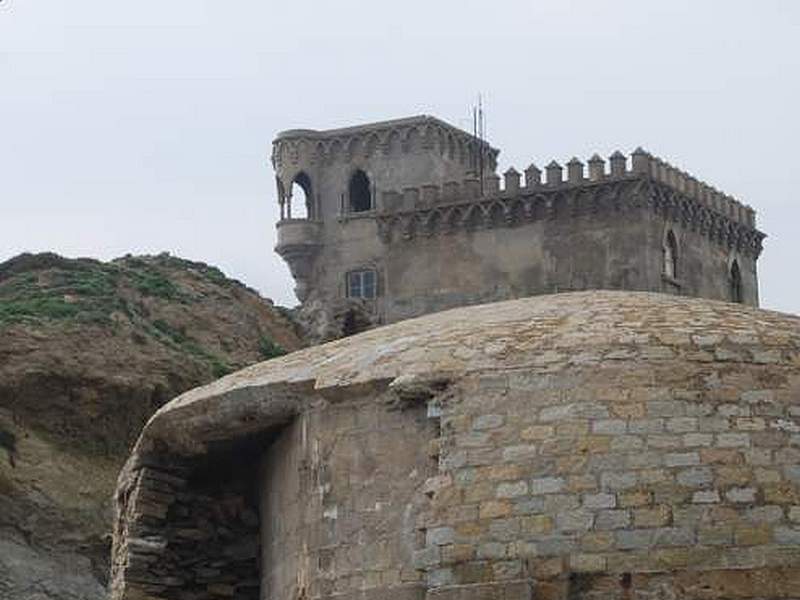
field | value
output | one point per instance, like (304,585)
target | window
(359,192)
(301,194)
(671,256)
(736,283)
(361,284)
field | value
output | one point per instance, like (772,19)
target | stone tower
(407,217)
(343,174)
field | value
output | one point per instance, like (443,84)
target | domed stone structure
(584,445)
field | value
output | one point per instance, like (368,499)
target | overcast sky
(146,126)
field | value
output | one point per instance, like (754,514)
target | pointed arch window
(736,283)
(359,192)
(302,194)
(671,256)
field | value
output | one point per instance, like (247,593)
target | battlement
(639,165)
(410,216)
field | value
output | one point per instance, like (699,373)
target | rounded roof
(539,334)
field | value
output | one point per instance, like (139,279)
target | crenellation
(580,226)
(574,170)
(597,168)
(533,177)
(640,161)
(554,174)
(618,164)
(751,216)
(511,180)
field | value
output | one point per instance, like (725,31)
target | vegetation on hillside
(38,290)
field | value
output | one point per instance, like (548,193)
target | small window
(671,256)
(361,284)
(359,192)
(736,283)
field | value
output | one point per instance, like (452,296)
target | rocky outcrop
(588,446)
(88,351)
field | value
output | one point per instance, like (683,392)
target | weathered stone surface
(365,491)
(433,230)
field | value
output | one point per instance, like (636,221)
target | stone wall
(439,236)
(606,471)
(581,446)
(341,489)
(193,531)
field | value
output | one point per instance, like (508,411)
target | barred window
(361,284)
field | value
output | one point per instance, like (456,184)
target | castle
(593,445)
(406,217)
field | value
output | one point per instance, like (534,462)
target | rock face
(578,446)
(88,351)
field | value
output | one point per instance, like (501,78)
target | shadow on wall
(8,442)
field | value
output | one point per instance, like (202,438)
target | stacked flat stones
(587,445)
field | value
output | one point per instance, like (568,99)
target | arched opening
(736,282)
(359,192)
(302,197)
(671,256)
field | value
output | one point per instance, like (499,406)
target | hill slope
(88,350)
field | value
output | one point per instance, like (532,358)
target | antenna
(478,135)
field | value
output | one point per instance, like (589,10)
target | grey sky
(146,126)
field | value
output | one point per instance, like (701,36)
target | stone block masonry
(434,227)
(580,446)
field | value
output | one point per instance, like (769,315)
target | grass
(269,349)
(42,288)
(83,291)
(180,341)
(85,295)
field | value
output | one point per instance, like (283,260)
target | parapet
(640,164)
(309,146)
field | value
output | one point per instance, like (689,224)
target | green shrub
(152,283)
(269,349)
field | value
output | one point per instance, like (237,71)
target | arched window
(671,256)
(302,197)
(736,282)
(359,192)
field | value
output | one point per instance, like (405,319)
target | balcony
(299,240)
(298,235)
